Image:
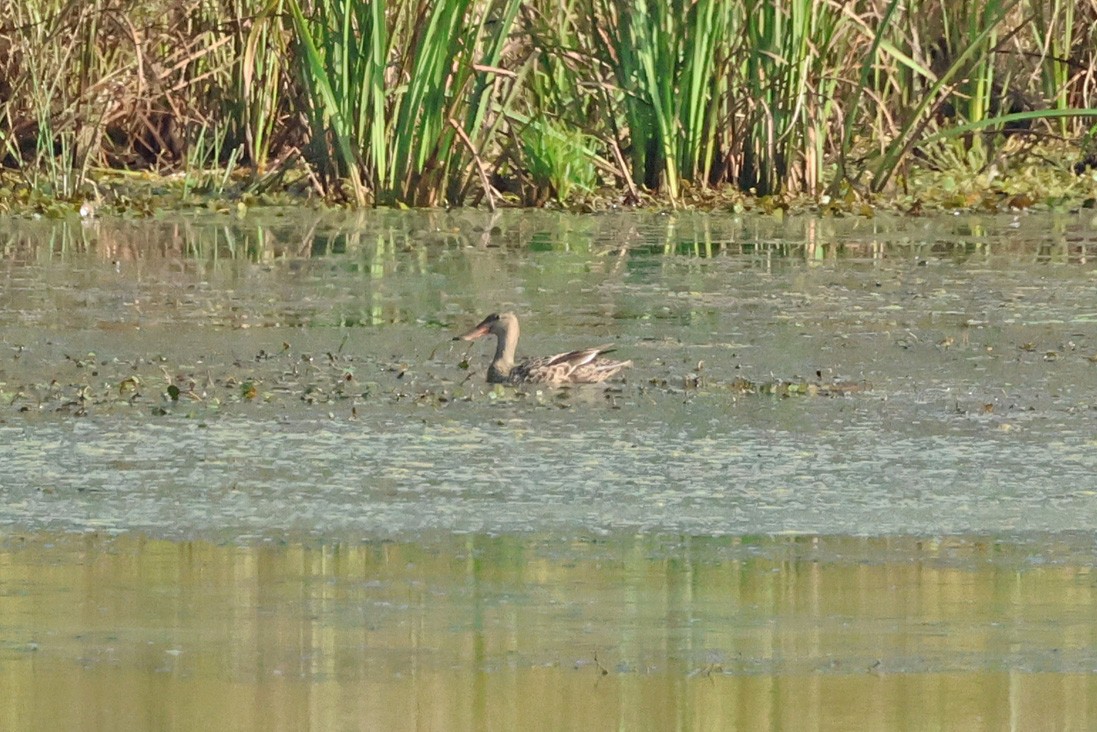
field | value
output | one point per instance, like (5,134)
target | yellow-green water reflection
(547,633)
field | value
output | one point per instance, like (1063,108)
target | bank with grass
(127,106)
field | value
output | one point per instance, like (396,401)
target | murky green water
(205,394)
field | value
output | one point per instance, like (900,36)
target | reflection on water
(477,632)
(300,268)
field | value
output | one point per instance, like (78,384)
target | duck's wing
(597,371)
(576,358)
(574,367)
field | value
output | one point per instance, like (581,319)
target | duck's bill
(478,332)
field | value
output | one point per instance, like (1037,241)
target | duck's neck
(506,343)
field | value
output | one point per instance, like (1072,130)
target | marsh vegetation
(586,102)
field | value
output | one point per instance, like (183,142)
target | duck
(573,367)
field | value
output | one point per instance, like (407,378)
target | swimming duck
(573,367)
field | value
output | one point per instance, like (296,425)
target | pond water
(246,475)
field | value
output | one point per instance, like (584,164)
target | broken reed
(427,103)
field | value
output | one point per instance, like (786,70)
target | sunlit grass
(419,103)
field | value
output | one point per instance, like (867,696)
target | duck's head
(495,324)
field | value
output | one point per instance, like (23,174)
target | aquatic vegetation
(153,384)
(783,388)
(558,162)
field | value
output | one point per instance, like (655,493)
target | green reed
(340,50)
(48,128)
(971,88)
(788,89)
(401,98)
(258,74)
(425,103)
(445,118)
(1058,28)
(664,56)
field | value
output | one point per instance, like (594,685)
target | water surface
(320,391)
(538,632)
(247,478)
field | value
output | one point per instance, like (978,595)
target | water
(282,392)
(472,632)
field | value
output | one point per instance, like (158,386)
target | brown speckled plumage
(573,367)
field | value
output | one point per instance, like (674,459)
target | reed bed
(480,102)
